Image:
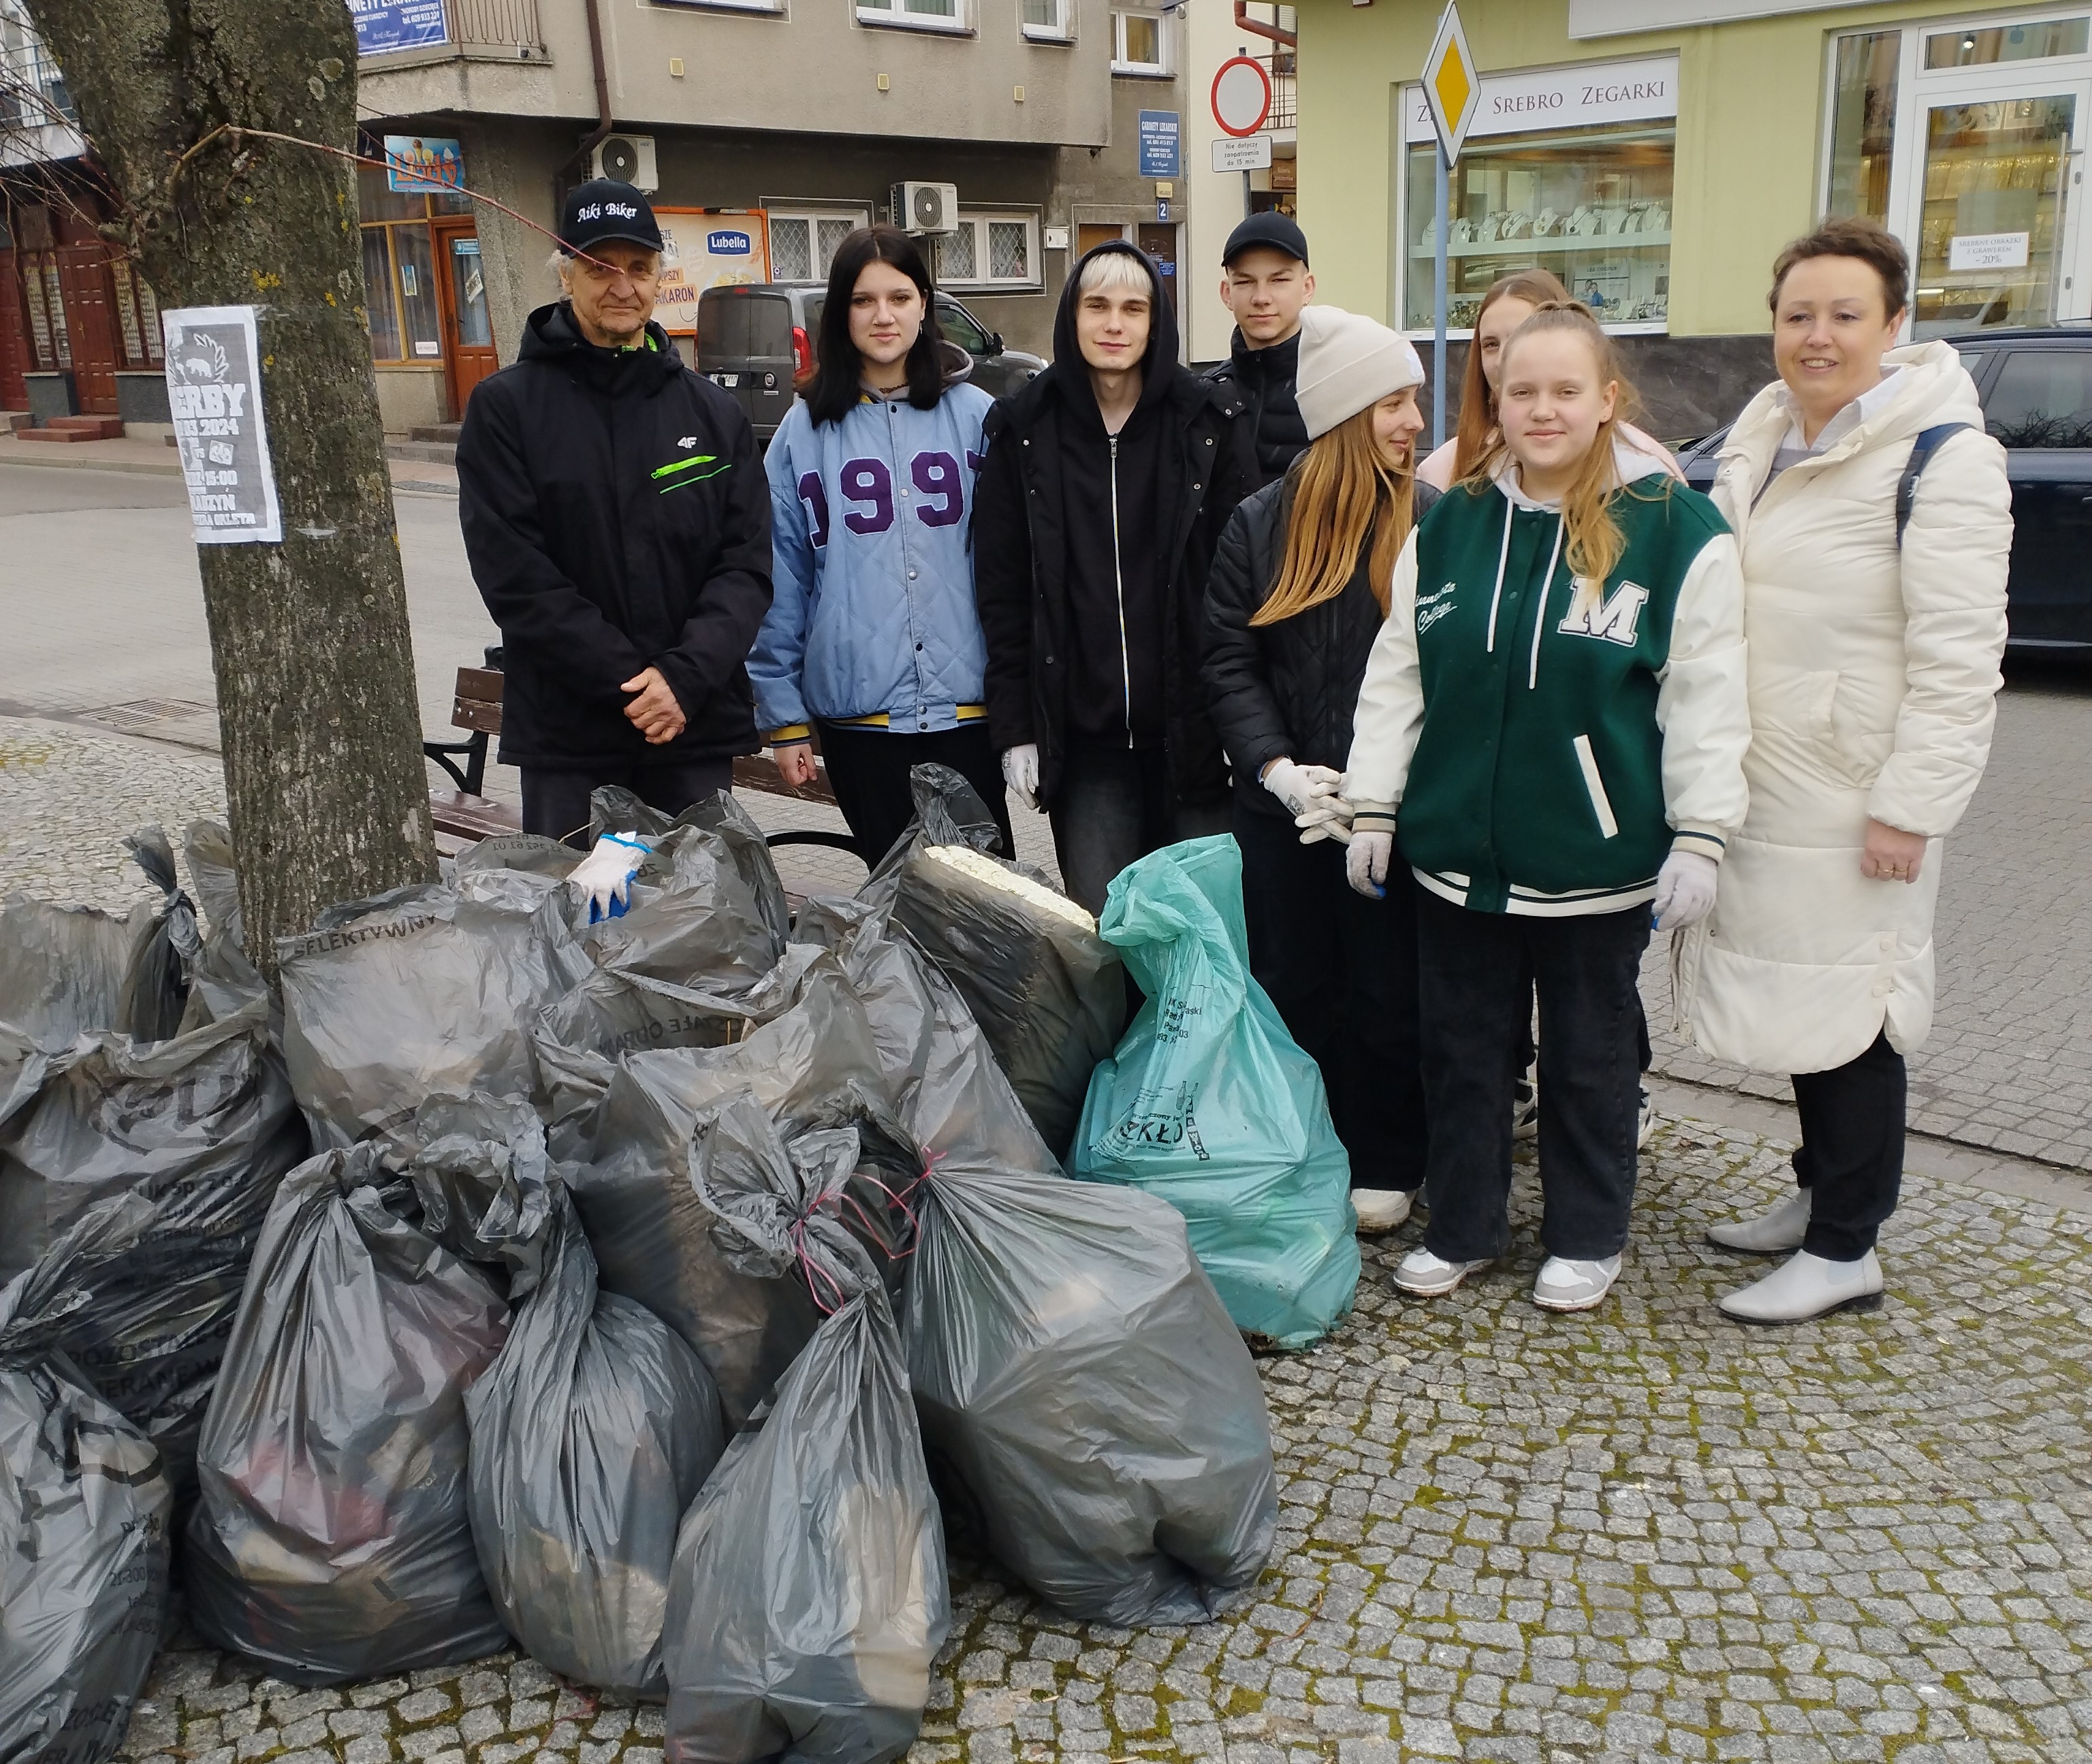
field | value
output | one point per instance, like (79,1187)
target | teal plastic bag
(1210,1105)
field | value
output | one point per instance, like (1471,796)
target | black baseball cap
(1271,229)
(604,209)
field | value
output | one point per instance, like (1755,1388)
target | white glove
(1684,890)
(1310,795)
(605,875)
(1020,772)
(1365,863)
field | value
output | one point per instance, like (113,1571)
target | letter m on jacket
(1612,616)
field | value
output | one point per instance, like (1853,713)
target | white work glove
(1684,890)
(1020,772)
(603,877)
(1365,863)
(1310,795)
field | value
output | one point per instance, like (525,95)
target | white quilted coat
(1873,675)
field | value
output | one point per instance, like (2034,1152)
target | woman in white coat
(1875,618)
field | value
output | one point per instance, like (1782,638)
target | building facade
(763,131)
(1656,154)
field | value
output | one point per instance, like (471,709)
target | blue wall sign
(729,245)
(388,24)
(423,165)
(1160,134)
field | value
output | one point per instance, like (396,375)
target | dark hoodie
(1267,378)
(616,517)
(1093,623)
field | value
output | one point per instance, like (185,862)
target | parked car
(757,340)
(2036,386)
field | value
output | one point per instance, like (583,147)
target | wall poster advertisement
(214,394)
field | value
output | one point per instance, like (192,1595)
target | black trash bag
(330,1540)
(592,1432)
(222,981)
(1048,992)
(812,1064)
(84,1521)
(423,990)
(809,1595)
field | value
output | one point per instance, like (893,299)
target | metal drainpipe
(1243,22)
(603,124)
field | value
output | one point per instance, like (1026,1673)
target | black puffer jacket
(1288,690)
(1265,378)
(616,517)
(1023,516)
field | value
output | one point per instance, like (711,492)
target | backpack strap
(1921,450)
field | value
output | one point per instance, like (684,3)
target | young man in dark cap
(1264,281)
(617,521)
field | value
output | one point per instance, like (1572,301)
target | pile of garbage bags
(652,1292)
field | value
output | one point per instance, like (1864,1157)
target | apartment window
(927,15)
(1863,106)
(1140,43)
(990,251)
(1054,20)
(802,242)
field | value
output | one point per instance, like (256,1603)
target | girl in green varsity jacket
(1551,727)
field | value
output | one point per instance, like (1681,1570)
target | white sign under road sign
(1452,86)
(1987,251)
(1241,95)
(1253,154)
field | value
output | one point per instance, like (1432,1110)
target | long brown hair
(1593,539)
(1343,490)
(1478,404)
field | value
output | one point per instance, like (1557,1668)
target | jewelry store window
(1592,205)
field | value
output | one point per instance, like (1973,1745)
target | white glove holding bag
(1684,890)
(1020,772)
(1309,793)
(1366,862)
(604,876)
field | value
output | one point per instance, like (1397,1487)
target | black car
(2036,386)
(757,340)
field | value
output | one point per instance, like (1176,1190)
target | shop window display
(1593,205)
(1862,123)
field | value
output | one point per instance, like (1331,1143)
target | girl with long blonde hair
(1300,585)
(1553,724)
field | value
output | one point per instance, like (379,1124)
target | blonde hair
(1114,272)
(1537,288)
(1343,491)
(1594,540)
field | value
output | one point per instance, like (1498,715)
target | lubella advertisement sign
(708,248)
(1561,98)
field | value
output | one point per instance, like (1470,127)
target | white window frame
(768,9)
(1165,69)
(977,220)
(892,15)
(813,214)
(1063,31)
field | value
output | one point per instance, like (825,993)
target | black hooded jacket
(617,517)
(1266,378)
(1079,650)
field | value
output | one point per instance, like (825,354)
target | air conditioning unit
(629,158)
(927,208)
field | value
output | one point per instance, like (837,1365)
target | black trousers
(1476,972)
(1341,969)
(1851,1155)
(868,770)
(556,803)
(1115,804)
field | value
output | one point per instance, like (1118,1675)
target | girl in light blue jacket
(872,641)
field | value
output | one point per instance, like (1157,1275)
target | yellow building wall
(1751,99)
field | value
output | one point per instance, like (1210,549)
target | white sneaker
(1382,1209)
(1525,1104)
(1769,1234)
(1423,1275)
(1808,1287)
(1645,1122)
(1569,1286)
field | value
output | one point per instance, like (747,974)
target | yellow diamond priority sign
(1452,89)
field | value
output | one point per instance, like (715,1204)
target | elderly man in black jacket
(617,521)
(1107,482)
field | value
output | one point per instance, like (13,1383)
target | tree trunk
(317,707)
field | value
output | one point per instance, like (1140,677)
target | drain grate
(130,717)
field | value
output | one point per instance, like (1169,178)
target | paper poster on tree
(215,393)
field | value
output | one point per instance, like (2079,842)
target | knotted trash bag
(808,1594)
(1046,990)
(330,1539)
(84,1518)
(427,989)
(591,1433)
(1210,1105)
(812,1063)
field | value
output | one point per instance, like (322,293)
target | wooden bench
(464,815)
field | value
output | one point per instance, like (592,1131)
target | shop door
(469,355)
(91,318)
(1159,242)
(1998,223)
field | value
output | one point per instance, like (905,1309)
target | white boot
(1770,1234)
(1382,1209)
(1808,1287)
